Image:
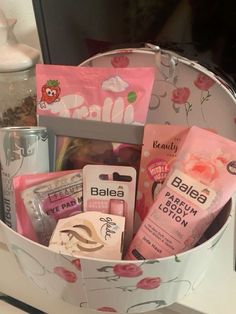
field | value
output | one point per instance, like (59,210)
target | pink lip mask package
(116,95)
(160,147)
(199,184)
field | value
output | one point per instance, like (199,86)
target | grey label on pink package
(59,198)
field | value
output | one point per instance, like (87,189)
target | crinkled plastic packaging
(199,184)
(52,200)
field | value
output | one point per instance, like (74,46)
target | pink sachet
(199,184)
(117,95)
(161,143)
(21,183)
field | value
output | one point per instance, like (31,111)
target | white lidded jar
(17,78)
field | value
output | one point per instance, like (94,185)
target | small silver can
(23,150)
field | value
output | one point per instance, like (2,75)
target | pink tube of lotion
(201,181)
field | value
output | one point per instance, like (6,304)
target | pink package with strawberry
(160,147)
(117,95)
(199,184)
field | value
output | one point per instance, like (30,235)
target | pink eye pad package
(42,201)
(116,95)
(200,182)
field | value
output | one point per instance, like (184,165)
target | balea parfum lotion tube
(200,182)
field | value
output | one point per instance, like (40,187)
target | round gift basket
(186,93)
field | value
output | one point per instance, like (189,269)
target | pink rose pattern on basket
(127,270)
(131,278)
(180,99)
(67,275)
(182,96)
(106,309)
(204,83)
(70,275)
(76,262)
(120,61)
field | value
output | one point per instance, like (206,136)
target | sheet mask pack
(52,200)
(115,95)
(161,144)
(21,183)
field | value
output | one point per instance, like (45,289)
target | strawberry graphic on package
(50,92)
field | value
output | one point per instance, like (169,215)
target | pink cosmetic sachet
(160,147)
(199,184)
(21,183)
(117,95)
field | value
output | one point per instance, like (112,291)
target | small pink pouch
(161,143)
(21,183)
(117,95)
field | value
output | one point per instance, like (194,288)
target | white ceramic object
(14,56)
(140,286)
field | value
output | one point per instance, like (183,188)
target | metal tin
(24,150)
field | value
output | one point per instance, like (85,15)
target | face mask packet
(52,200)
(21,183)
(161,144)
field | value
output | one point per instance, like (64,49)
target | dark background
(70,31)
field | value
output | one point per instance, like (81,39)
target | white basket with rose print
(184,93)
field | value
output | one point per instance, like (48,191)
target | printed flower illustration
(204,83)
(149,283)
(65,274)
(180,97)
(76,262)
(120,61)
(201,169)
(127,270)
(106,309)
